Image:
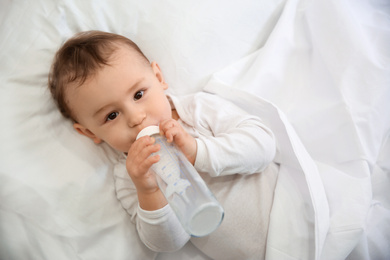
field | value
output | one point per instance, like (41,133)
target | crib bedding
(318,72)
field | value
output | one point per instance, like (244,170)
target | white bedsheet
(323,65)
(337,98)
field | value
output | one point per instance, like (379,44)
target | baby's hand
(174,132)
(138,162)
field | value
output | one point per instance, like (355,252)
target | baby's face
(120,100)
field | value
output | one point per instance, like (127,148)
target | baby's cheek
(118,144)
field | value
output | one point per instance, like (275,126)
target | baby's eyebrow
(100,110)
(136,84)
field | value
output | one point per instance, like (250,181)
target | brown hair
(80,58)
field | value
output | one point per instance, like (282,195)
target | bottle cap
(149,130)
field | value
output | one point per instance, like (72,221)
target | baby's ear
(84,131)
(158,73)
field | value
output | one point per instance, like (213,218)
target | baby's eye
(112,116)
(139,95)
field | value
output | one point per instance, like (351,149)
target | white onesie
(234,156)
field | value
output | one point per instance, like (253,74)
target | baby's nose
(135,119)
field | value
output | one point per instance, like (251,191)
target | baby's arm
(157,225)
(160,230)
(240,143)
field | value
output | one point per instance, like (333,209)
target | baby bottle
(193,203)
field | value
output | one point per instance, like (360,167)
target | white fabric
(298,179)
(221,129)
(246,194)
(325,64)
(342,185)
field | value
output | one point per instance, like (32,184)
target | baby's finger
(140,144)
(139,153)
(166,124)
(151,160)
(169,128)
(171,133)
(146,150)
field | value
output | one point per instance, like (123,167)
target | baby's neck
(175,115)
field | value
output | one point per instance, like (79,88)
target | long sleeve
(160,230)
(230,140)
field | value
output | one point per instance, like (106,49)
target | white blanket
(322,65)
(345,131)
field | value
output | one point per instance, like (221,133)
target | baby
(106,85)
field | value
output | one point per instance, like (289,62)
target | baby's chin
(125,152)
(123,149)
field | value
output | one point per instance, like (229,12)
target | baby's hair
(80,58)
